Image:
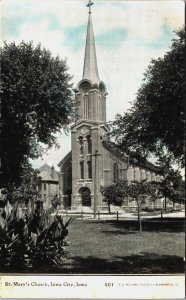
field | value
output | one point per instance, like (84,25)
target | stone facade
(91,162)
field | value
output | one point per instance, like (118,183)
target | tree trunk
(154,204)
(139,218)
(165,204)
(109,209)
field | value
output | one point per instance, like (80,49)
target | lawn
(111,247)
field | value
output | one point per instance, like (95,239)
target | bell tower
(90,127)
(91,92)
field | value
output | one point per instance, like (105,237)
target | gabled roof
(89,123)
(45,167)
(146,164)
(126,158)
(45,176)
(115,152)
(64,159)
(48,173)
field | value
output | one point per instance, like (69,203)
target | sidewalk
(129,216)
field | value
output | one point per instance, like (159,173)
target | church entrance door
(85,196)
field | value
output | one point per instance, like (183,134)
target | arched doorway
(85,196)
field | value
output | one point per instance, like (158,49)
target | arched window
(89,164)
(89,144)
(124,175)
(115,172)
(85,107)
(142,174)
(81,169)
(81,145)
(39,186)
(137,174)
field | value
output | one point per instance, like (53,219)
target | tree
(114,194)
(27,191)
(153,189)
(172,187)
(155,122)
(179,194)
(138,191)
(36,103)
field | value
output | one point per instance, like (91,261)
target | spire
(90,70)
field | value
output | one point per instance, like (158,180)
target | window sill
(84,181)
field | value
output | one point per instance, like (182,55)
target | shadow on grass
(150,225)
(143,263)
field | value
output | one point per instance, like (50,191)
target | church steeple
(90,70)
(91,92)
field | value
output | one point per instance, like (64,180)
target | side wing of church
(91,162)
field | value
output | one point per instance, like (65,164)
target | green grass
(117,248)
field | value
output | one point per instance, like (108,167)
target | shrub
(31,239)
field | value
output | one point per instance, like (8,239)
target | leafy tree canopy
(36,103)
(138,191)
(172,186)
(114,193)
(27,190)
(155,122)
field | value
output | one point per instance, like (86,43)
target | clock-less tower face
(91,102)
(84,130)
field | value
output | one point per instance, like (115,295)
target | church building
(91,162)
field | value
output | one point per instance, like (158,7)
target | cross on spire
(90,70)
(90,3)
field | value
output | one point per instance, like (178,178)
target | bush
(31,239)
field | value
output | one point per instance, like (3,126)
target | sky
(128,34)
